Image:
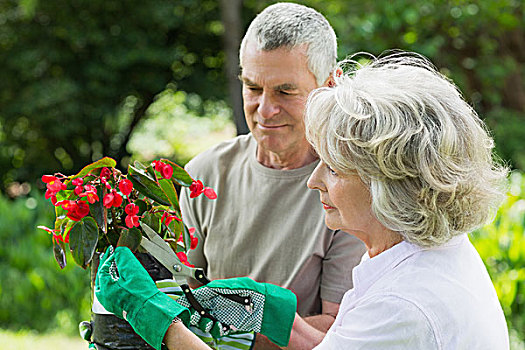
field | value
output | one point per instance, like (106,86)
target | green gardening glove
(124,288)
(261,307)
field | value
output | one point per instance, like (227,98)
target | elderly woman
(406,166)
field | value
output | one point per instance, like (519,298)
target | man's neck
(285,160)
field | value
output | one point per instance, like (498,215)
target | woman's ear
(329,82)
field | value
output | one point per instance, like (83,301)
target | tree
(78,76)
(231,19)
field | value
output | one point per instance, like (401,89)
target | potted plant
(100,206)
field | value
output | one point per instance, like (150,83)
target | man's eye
(286,93)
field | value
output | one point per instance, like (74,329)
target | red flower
(164,169)
(54,185)
(55,234)
(210,193)
(184,259)
(132,220)
(90,193)
(78,181)
(193,240)
(105,173)
(125,186)
(197,188)
(158,165)
(76,210)
(52,195)
(132,209)
(167,218)
(167,171)
(78,190)
(112,199)
(48,178)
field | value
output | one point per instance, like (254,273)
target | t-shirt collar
(371,269)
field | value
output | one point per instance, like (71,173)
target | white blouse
(410,297)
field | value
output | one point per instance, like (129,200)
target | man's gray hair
(423,152)
(290,25)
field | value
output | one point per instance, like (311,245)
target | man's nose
(268,107)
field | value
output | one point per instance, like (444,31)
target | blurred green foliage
(34,292)
(180,126)
(82,79)
(478,44)
(502,248)
(78,76)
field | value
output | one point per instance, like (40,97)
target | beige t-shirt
(266,224)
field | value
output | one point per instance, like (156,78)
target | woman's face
(345,199)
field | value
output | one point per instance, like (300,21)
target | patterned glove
(241,304)
(124,288)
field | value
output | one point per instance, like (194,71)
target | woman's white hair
(290,25)
(420,148)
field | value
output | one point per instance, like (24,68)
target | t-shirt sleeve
(191,219)
(345,252)
(385,322)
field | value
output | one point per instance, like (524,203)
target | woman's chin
(331,224)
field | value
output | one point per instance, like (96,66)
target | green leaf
(176,228)
(98,212)
(146,185)
(62,195)
(146,168)
(151,220)
(59,252)
(60,222)
(186,238)
(180,176)
(105,162)
(138,165)
(130,238)
(171,193)
(83,239)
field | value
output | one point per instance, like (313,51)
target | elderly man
(265,224)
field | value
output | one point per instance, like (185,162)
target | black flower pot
(113,333)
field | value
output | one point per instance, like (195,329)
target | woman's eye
(331,171)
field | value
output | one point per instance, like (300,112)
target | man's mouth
(269,127)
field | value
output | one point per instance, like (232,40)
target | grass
(25,340)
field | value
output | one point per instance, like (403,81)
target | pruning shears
(161,251)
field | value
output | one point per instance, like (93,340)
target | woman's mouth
(326,206)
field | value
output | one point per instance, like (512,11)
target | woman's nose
(315,182)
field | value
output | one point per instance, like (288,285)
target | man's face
(276,85)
